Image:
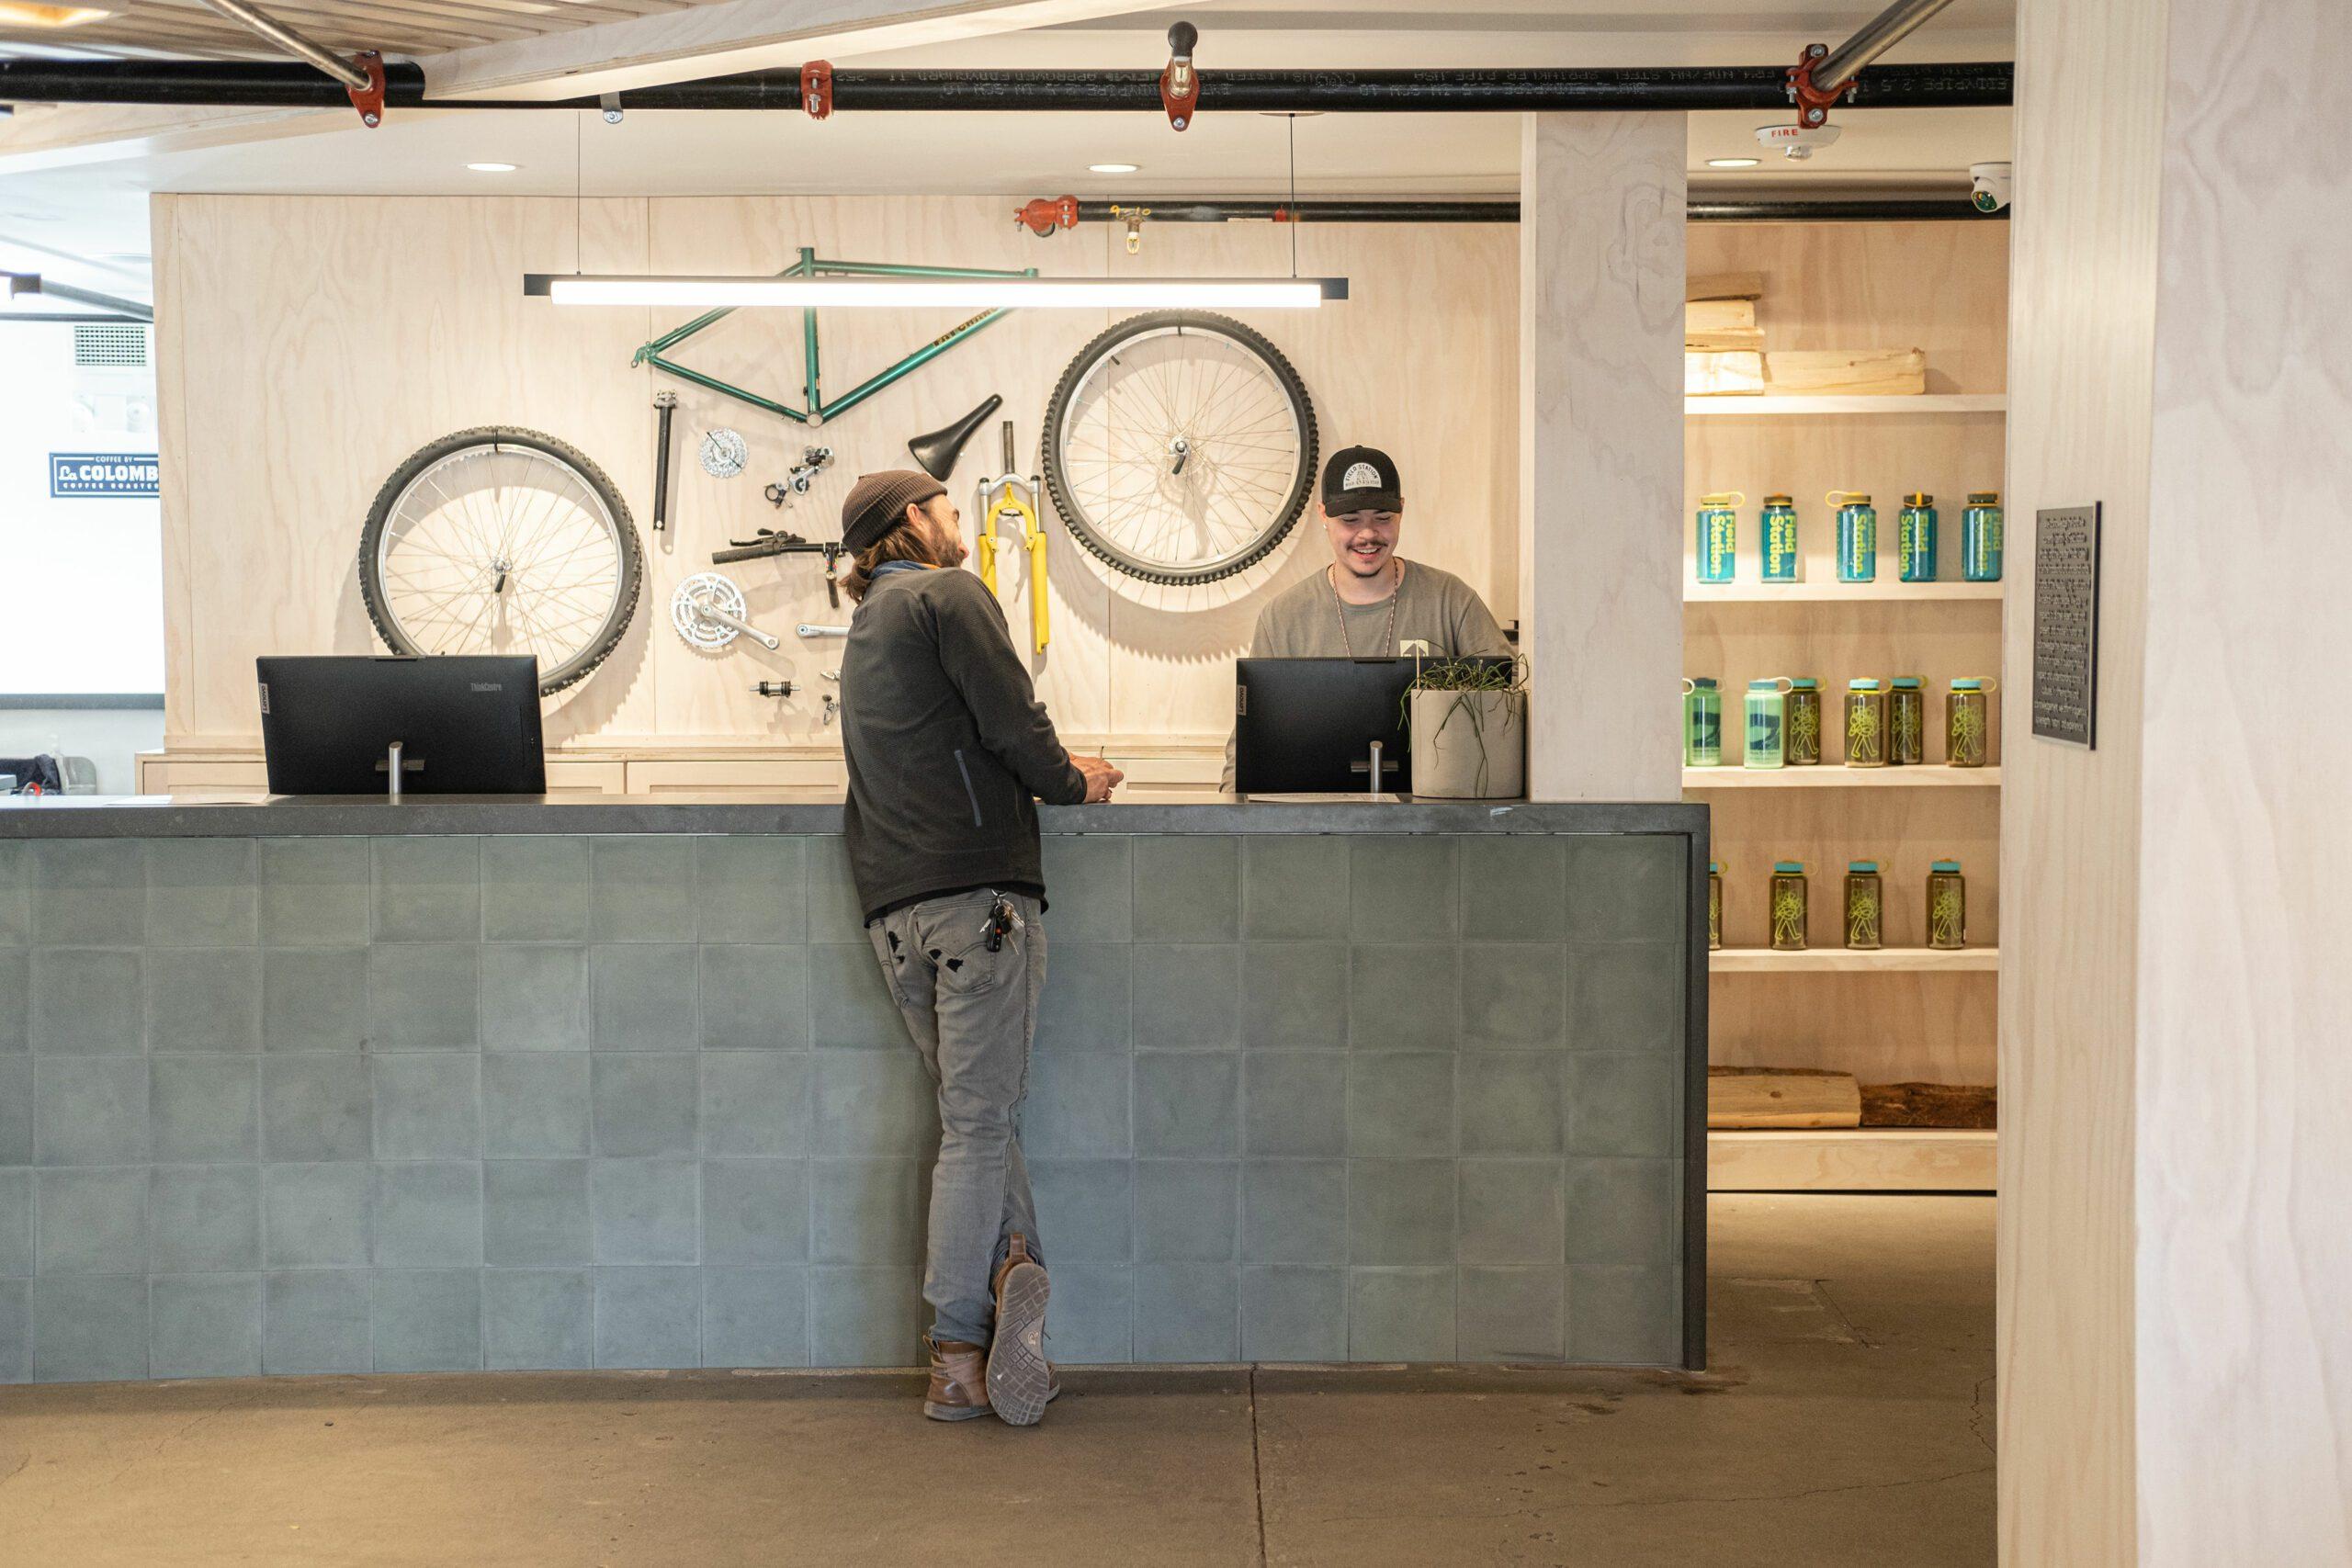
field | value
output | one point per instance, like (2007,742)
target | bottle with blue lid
(1789,905)
(1907,722)
(1719,536)
(1857,536)
(1947,906)
(1865,725)
(1865,906)
(1968,722)
(1804,747)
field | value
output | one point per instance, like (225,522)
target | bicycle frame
(819,410)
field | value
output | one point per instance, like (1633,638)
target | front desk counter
(606,1081)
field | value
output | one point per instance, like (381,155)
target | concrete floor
(1848,1420)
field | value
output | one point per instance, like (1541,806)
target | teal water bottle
(1777,539)
(1857,536)
(1703,723)
(1915,534)
(1980,537)
(1719,536)
(1767,713)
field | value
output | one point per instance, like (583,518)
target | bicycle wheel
(502,540)
(1179,447)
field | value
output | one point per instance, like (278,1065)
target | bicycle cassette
(725,454)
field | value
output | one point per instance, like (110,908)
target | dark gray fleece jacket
(949,749)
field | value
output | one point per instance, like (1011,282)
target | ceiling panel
(187,28)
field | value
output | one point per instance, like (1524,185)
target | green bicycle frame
(819,410)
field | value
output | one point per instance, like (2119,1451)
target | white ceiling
(184,29)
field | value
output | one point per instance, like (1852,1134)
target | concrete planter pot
(1469,745)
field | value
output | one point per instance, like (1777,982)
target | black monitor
(1306,726)
(466,724)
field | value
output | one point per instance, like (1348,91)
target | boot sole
(954,1411)
(1020,1383)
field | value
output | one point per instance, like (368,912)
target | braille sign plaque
(2065,624)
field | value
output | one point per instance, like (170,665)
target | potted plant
(1467,721)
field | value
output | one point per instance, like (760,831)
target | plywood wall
(307,345)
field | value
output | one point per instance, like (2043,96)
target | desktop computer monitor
(465,724)
(1306,726)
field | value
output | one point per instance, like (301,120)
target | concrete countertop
(231,814)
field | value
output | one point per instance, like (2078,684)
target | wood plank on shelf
(1895,592)
(1846,960)
(1741,405)
(1858,1159)
(1831,776)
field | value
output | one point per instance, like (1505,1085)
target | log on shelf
(1721,340)
(1929,1105)
(1718,316)
(1781,1097)
(1737,374)
(1723,285)
(1884,371)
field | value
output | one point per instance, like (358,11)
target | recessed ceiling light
(510,168)
(25,14)
(1112,168)
(1732,162)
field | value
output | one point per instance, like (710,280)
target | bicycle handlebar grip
(743,552)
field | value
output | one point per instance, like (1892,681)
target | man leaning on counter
(1371,603)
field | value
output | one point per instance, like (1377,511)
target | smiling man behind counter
(1371,603)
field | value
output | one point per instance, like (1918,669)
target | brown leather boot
(958,1388)
(1021,1380)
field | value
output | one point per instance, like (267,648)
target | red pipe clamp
(1047,213)
(369,100)
(816,88)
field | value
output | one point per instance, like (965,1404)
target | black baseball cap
(1362,478)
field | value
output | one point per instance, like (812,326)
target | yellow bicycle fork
(1008,496)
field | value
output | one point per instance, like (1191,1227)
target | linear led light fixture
(977,293)
(25,14)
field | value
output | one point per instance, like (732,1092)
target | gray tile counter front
(1405,1083)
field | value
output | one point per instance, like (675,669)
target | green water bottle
(1946,906)
(1857,536)
(1980,537)
(1804,747)
(1865,725)
(1703,723)
(1789,905)
(1916,538)
(1865,907)
(1777,540)
(1719,536)
(1968,722)
(1906,721)
(1766,727)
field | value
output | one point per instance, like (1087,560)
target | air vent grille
(109,346)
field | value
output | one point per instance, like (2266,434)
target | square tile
(1085,1210)
(754,1211)
(1625,1314)
(754,998)
(865,1317)
(867,1102)
(203,1107)
(314,891)
(649,1317)
(834,912)
(1511,1211)
(1403,888)
(427,889)
(423,997)
(1295,888)
(1511,1102)
(1187,1312)
(1089,882)
(1293,995)
(848,1003)
(1402,997)
(535,1107)
(754,1317)
(16,1110)
(88,892)
(90,1221)
(90,1110)
(1511,1315)
(1400,1211)
(17,1224)
(203,999)
(202,893)
(645,1105)
(1628,888)
(1624,1211)
(645,1211)
(535,997)
(1077,1105)
(1294,1314)
(644,996)
(428,1215)
(1293,1211)
(1400,1104)
(1401,1315)
(1090,1319)
(1294,1102)
(1514,887)
(1514,997)
(428,1105)
(203,1218)
(16,1000)
(314,999)
(90,1328)
(535,888)
(538,1320)
(1629,1106)
(15,1318)
(644,888)
(1628,998)
(87,1001)
(1187,999)
(752,889)
(1087,999)
(317,1322)
(1186,1105)
(16,883)
(1187,889)
(317,1216)
(317,1108)
(205,1325)
(867,1211)
(535,1214)
(1186,1211)
(427,1320)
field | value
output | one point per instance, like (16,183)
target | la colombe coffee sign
(111,474)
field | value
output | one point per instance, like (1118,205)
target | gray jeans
(972,1013)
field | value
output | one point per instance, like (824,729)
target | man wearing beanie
(949,751)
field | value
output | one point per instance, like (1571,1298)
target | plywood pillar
(1601,451)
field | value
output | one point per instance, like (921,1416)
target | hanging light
(914,293)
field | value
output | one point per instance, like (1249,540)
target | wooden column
(1601,451)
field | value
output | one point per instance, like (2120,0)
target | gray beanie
(878,503)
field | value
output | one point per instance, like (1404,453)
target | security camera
(1990,184)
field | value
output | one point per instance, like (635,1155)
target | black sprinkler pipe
(277,84)
(1700,209)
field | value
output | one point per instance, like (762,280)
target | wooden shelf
(1852,1159)
(1835,775)
(1896,592)
(1842,960)
(1736,406)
